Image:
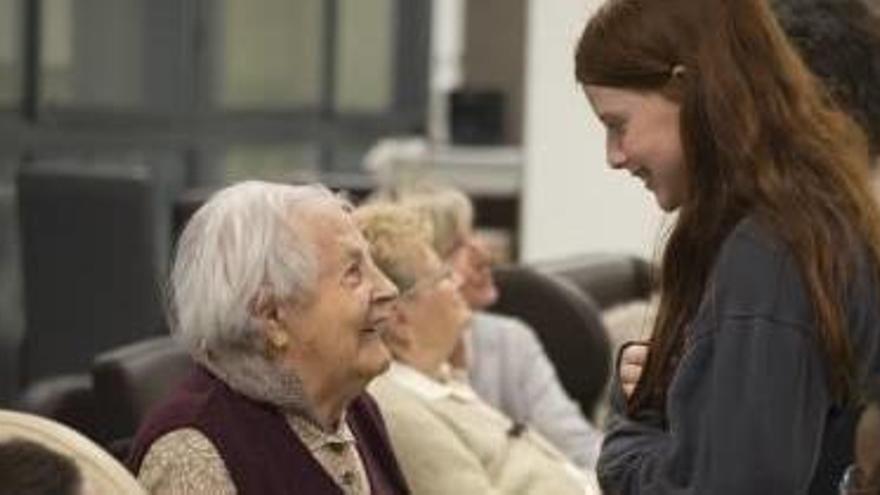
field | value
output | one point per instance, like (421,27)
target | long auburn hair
(760,137)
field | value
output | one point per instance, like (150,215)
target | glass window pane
(10,52)
(92,53)
(289,162)
(270,54)
(348,155)
(365,55)
(8,168)
(118,54)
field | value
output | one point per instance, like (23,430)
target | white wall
(572,202)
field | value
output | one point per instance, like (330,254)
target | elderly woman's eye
(354,272)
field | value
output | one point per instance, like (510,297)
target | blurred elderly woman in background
(504,361)
(275,296)
(448,440)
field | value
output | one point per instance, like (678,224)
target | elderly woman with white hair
(502,356)
(276,297)
(449,441)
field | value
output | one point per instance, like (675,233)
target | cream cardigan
(448,440)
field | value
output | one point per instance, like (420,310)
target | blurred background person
(276,297)
(840,42)
(40,456)
(502,357)
(447,438)
(28,468)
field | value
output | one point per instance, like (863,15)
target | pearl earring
(278,338)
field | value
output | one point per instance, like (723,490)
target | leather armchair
(568,325)
(131,379)
(68,399)
(610,279)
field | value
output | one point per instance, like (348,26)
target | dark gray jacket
(749,410)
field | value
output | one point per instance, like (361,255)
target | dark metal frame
(197,130)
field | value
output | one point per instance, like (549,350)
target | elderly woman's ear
(264,308)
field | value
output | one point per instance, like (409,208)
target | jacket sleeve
(749,420)
(746,409)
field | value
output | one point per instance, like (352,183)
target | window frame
(197,129)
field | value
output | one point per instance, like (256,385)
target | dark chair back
(11,312)
(607,278)
(68,399)
(92,263)
(568,325)
(130,380)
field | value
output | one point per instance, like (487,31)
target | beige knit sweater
(448,440)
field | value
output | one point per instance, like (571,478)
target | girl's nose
(616,158)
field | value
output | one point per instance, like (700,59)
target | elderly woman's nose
(384,289)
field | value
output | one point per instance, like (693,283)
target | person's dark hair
(840,42)
(872,391)
(759,138)
(28,468)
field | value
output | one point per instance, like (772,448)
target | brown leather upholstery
(129,380)
(68,399)
(608,278)
(91,256)
(568,325)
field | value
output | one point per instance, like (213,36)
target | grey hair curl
(241,245)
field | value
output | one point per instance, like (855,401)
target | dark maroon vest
(262,454)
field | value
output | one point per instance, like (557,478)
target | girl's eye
(616,128)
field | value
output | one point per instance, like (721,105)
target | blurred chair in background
(68,399)
(622,286)
(10,298)
(108,405)
(568,325)
(609,279)
(93,248)
(130,380)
